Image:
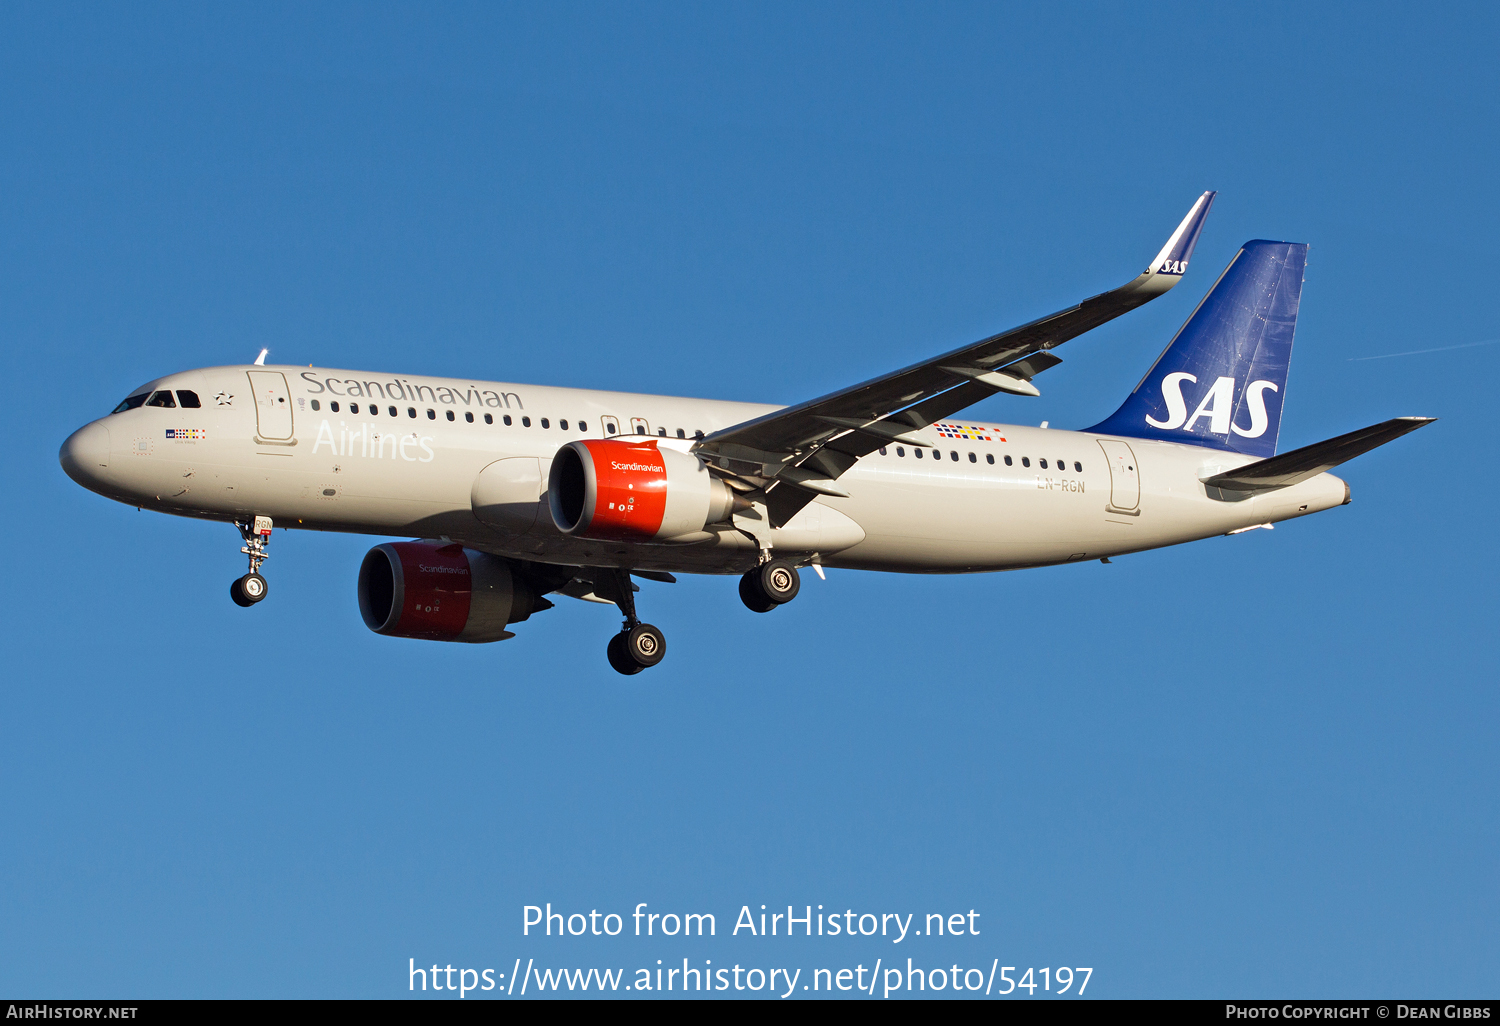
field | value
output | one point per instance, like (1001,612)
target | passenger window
(354,407)
(917,453)
(334,406)
(469,417)
(432,414)
(1008,462)
(526,422)
(900,451)
(954,455)
(563,424)
(662,432)
(882,450)
(1062,464)
(315,406)
(131,403)
(450,414)
(609,427)
(698,435)
(973,458)
(411,411)
(489,419)
(1078,466)
(583,425)
(507,420)
(162,399)
(989,458)
(1025,461)
(545,424)
(393,411)
(188,400)
(681,433)
(1040,463)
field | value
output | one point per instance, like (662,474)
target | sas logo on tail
(1217,405)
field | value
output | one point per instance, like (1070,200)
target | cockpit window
(162,399)
(130,403)
(188,400)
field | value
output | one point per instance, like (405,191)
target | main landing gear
(251,588)
(770,585)
(638,645)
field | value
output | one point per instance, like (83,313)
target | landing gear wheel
(635,648)
(620,659)
(752,596)
(773,584)
(779,581)
(644,644)
(248,590)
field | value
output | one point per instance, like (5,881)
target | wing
(800,451)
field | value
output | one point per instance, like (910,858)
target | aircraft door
(1124,478)
(611,426)
(273,405)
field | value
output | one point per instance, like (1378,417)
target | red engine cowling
(442,592)
(633,491)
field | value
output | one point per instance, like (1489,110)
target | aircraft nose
(86,453)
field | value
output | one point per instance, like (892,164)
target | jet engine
(630,490)
(442,592)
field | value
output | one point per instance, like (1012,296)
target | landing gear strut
(638,645)
(251,588)
(770,585)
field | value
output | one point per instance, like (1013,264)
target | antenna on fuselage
(260,361)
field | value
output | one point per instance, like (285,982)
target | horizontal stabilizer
(1311,460)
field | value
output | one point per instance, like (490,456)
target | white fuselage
(961,507)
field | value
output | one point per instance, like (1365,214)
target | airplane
(516,492)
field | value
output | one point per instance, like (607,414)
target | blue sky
(1252,766)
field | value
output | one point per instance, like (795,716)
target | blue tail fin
(1221,381)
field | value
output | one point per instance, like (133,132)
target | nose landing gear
(251,588)
(770,585)
(638,645)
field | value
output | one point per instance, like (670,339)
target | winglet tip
(1174,256)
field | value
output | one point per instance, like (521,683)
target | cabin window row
(642,428)
(373,410)
(989,458)
(662,432)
